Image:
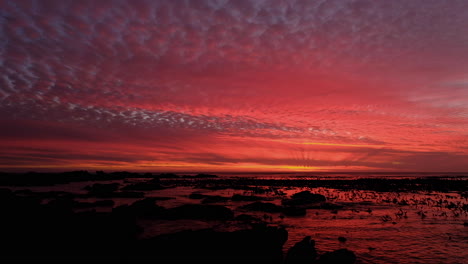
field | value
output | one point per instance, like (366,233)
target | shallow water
(380,227)
(377,229)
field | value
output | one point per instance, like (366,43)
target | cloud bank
(234,85)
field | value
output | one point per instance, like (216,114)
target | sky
(234,85)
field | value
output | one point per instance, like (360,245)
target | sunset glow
(234,85)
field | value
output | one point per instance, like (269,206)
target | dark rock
(145,186)
(167,175)
(246,218)
(203,175)
(342,256)
(44,195)
(261,244)
(4,192)
(215,199)
(64,205)
(125,174)
(34,231)
(101,203)
(65,202)
(208,198)
(252,198)
(146,208)
(304,198)
(294,211)
(263,207)
(330,206)
(125,194)
(197,195)
(307,195)
(302,252)
(110,191)
(162,198)
(99,189)
(200,211)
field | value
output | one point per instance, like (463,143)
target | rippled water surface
(377,229)
(380,227)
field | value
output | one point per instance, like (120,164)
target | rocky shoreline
(60,226)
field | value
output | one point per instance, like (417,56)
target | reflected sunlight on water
(380,227)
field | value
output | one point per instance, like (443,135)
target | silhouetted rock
(252,198)
(307,195)
(261,244)
(110,191)
(125,174)
(263,207)
(44,195)
(146,208)
(208,198)
(294,211)
(342,239)
(4,192)
(200,211)
(100,189)
(101,203)
(33,231)
(203,175)
(246,218)
(197,195)
(167,175)
(304,198)
(215,199)
(330,206)
(162,198)
(63,204)
(66,204)
(342,256)
(125,194)
(302,252)
(145,186)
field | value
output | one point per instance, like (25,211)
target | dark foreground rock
(147,208)
(302,252)
(247,218)
(153,184)
(342,256)
(261,244)
(215,199)
(142,208)
(251,198)
(200,212)
(294,211)
(67,203)
(262,207)
(34,232)
(304,198)
(208,198)
(99,189)
(110,190)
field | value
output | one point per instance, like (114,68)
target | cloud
(324,71)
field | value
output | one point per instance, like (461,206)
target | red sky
(234,85)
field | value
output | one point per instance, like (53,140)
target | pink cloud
(184,75)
